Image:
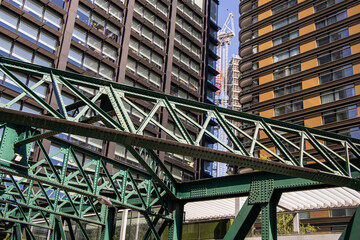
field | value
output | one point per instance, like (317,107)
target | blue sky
(225,7)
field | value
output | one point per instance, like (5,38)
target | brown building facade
(161,45)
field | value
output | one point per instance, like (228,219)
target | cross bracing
(36,188)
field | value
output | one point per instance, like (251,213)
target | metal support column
(268,217)
(243,221)
(352,231)
(261,198)
(110,224)
(296,223)
(175,228)
(124,224)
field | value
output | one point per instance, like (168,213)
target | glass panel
(98,22)
(112,32)
(110,51)
(22,53)
(116,12)
(94,43)
(8,20)
(5,46)
(79,35)
(155,79)
(145,52)
(149,16)
(143,72)
(91,64)
(28,31)
(34,8)
(102,4)
(83,13)
(106,72)
(47,41)
(75,57)
(43,61)
(52,19)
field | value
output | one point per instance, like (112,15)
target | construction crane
(224,37)
(221,99)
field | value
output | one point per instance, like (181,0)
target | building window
(287,54)
(179,92)
(188,28)
(185,78)
(337,94)
(289,107)
(350,132)
(150,17)
(29,31)
(111,9)
(332,37)
(90,64)
(287,71)
(159,6)
(148,34)
(255,66)
(94,43)
(213,11)
(288,89)
(143,72)
(190,13)
(20,52)
(98,22)
(145,52)
(255,19)
(286,37)
(326,21)
(336,74)
(325,4)
(185,42)
(28,80)
(255,49)
(187,61)
(283,6)
(285,21)
(255,34)
(334,55)
(39,11)
(340,114)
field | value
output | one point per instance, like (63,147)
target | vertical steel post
(110,224)
(124,224)
(268,217)
(175,228)
(352,231)
(243,221)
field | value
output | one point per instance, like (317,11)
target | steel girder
(105,110)
(109,103)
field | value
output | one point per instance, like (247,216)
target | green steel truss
(44,188)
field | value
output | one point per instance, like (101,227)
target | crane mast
(224,37)
(221,96)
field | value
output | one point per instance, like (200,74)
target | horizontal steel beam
(239,185)
(130,139)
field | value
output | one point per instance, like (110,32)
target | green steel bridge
(46,189)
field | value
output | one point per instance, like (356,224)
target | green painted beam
(45,122)
(239,185)
(87,81)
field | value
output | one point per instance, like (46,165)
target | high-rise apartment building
(301,64)
(233,75)
(166,46)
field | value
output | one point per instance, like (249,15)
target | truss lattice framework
(45,186)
